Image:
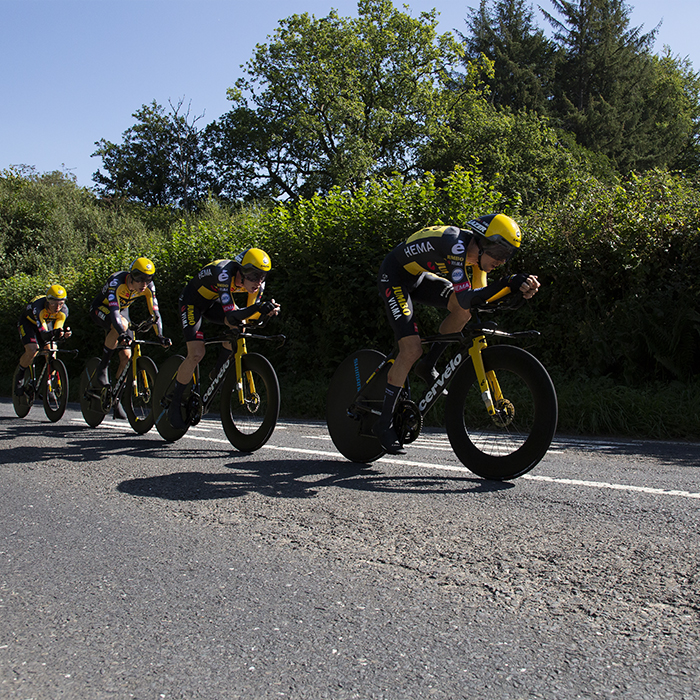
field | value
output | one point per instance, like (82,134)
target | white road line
(444,467)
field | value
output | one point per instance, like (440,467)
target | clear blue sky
(74,71)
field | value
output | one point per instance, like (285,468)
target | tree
(161,162)
(332,101)
(603,83)
(524,59)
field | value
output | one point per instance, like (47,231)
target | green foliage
(524,60)
(618,310)
(332,101)
(620,267)
(161,161)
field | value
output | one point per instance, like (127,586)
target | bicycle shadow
(80,444)
(303,480)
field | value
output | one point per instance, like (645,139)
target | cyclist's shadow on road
(304,480)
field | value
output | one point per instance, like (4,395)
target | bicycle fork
(135,355)
(238,361)
(491,393)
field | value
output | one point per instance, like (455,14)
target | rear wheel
(22,403)
(55,390)
(138,398)
(162,395)
(90,403)
(350,415)
(514,440)
(249,423)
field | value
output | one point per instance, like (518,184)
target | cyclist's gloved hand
(266,307)
(517,281)
(124,339)
(165,342)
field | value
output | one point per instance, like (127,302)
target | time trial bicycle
(133,387)
(48,379)
(249,400)
(500,408)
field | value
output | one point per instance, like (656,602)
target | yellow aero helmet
(255,263)
(496,234)
(142,269)
(56,293)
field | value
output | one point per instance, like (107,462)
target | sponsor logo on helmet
(477,225)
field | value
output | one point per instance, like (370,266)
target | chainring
(408,421)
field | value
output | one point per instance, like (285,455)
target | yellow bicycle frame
(135,354)
(241,350)
(488,384)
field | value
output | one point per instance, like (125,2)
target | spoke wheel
(55,390)
(515,439)
(138,398)
(249,423)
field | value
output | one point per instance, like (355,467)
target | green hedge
(618,310)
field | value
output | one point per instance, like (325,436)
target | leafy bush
(618,310)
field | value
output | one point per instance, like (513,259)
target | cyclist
(110,311)
(431,267)
(42,320)
(210,295)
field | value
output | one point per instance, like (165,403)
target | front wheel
(162,395)
(138,398)
(353,405)
(90,404)
(249,420)
(55,390)
(22,403)
(517,437)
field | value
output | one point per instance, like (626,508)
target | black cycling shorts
(191,318)
(29,333)
(399,290)
(104,320)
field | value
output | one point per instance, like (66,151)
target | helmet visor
(139,276)
(499,252)
(254,275)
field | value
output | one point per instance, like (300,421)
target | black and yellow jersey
(216,284)
(441,250)
(116,296)
(36,313)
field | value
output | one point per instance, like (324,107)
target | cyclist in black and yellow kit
(210,295)
(42,320)
(110,311)
(431,267)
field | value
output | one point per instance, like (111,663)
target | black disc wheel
(353,405)
(511,442)
(137,399)
(162,395)
(249,415)
(90,402)
(55,390)
(23,402)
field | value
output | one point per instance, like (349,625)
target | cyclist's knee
(196,354)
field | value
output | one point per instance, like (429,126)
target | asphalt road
(133,568)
